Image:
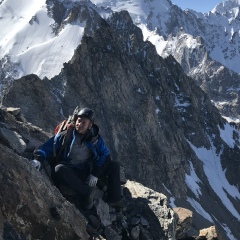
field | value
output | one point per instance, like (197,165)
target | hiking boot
(122,203)
(88,201)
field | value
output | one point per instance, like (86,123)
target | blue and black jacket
(58,149)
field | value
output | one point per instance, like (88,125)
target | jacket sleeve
(103,153)
(45,151)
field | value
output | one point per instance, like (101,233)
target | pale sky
(197,5)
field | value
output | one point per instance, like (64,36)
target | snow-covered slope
(158,19)
(27,38)
(161,22)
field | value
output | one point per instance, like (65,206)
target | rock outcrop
(31,207)
(220,83)
(210,233)
(184,222)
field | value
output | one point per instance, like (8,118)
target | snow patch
(226,229)
(216,176)
(172,202)
(166,189)
(231,119)
(192,181)
(197,206)
(27,38)
(226,134)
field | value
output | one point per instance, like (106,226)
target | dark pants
(76,178)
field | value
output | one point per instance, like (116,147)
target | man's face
(83,124)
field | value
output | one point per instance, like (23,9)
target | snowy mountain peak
(226,7)
(140,11)
(29,43)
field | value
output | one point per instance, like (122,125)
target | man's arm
(103,156)
(45,151)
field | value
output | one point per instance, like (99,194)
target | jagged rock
(113,217)
(122,175)
(135,221)
(17,113)
(135,232)
(124,223)
(102,209)
(156,203)
(38,205)
(144,222)
(99,193)
(213,77)
(29,104)
(31,208)
(22,137)
(111,234)
(184,222)
(13,140)
(144,234)
(94,221)
(210,233)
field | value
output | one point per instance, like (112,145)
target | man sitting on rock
(83,158)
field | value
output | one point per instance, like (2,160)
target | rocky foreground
(31,207)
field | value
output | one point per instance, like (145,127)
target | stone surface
(31,208)
(210,233)
(13,139)
(158,203)
(184,222)
(135,232)
(102,209)
(111,234)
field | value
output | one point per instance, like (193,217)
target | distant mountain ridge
(214,49)
(218,29)
(214,36)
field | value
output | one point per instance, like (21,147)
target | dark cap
(86,112)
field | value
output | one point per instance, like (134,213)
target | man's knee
(60,169)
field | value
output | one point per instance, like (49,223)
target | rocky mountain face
(211,59)
(195,53)
(220,83)
(205,45)
(158,123)
(31,207)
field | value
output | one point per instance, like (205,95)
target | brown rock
(157,204)
(31,207)
(184,222)
(210,233)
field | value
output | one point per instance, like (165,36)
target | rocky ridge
(205,45)
(220,83)
(31,207)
